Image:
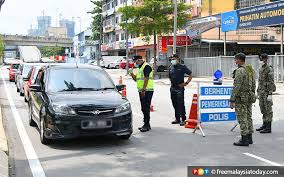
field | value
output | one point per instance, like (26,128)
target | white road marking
(262,159)
(33,160)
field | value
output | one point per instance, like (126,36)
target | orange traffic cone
(120,80)
(124,91)
(152,108)
(192,121)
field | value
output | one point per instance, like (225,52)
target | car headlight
(123,108)
(63,109)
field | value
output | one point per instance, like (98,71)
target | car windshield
(15,66)
(26,70)
(78,79)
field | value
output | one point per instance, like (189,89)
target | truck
(29,54)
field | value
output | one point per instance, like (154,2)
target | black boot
(145,128)
(244,141)
(267,128)
(145,125)
(262,127)
(175,122)
(250,138)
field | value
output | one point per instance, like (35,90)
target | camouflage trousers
(244,117)
(265,108)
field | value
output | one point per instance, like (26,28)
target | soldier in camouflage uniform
(266,87)
(243,95)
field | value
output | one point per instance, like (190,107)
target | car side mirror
(120,87)
(35,88)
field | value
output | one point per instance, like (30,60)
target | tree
(2,47)
(52,51)
(153,17)
(97,19)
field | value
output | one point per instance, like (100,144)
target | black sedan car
(69,101)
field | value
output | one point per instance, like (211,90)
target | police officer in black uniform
(176,74)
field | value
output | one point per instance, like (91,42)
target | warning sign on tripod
(214,104)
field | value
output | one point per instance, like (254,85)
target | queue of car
(72,100)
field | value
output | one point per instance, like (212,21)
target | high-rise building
(44,22)
(70,26)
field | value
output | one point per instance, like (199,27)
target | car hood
(107,99)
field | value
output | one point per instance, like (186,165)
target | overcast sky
(17,16)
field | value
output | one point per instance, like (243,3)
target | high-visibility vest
(140,79)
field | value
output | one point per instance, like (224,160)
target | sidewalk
(4,167)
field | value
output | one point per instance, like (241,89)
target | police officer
(266,87)
(243,95)
(176,74)
(145,86)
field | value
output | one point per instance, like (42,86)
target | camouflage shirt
(266,80)
(244,84)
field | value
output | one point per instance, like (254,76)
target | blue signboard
(263,15)
(214,103)
(229,21)
(209,104)
(218,116)
(215,91)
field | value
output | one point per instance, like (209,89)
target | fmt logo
(230,20)
(200,171)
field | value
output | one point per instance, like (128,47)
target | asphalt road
(165,151)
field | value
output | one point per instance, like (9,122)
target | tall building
(69,25)
(44,22)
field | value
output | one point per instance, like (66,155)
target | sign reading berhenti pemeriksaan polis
(214,104)
(262,15)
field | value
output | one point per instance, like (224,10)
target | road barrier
(213,105)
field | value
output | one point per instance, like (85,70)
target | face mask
(261,62)
(136,65)
(173,62)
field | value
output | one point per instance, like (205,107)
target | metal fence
(206,66)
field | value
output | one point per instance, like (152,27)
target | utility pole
(100,42)
(126,45)
(281,40)
(175,28)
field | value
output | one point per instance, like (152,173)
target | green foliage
(154,16)
(52,51)
(2,46)
(97,19)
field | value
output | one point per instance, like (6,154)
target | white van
(108,60)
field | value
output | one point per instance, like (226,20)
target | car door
(36,97)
